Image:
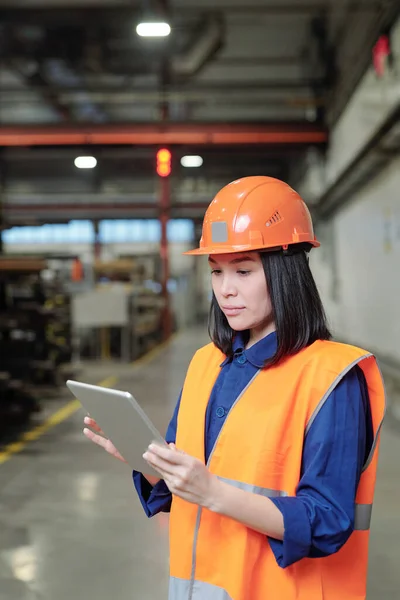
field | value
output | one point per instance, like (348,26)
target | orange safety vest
(259,449)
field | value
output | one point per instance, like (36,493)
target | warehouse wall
(358,266)
(371,104)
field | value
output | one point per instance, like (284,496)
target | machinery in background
(35,336)
(55,311)
(120,315)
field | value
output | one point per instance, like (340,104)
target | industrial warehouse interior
(120,121)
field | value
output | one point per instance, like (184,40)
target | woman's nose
(227,287)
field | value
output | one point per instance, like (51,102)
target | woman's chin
(238,323)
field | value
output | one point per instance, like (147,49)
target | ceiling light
(85,162)
(153,29)
(191,161)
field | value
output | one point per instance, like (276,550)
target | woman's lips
(232,311)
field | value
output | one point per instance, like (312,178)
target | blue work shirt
(320,518)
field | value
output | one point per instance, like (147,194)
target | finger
(104,443)
(92,423)
(94,437)
(161,465)
(161,473)
(170,483)
(168,454)
(175,487)
(116,454)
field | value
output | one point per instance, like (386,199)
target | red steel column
(165,203)
(165,193)
(96,242)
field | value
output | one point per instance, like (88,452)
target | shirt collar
(261,351)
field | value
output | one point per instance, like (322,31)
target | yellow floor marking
(70,408)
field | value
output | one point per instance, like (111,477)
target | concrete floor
(71,525)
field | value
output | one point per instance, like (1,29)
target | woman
(273,445)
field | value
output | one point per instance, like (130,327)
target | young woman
(271,465)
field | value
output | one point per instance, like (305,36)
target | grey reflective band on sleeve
(254,489)
(219,232)
(362,517)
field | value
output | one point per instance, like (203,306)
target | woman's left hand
(185,476)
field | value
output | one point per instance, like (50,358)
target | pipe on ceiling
(203,48)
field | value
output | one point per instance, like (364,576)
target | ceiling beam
(203,87)
(67,14)
(257,61)
(281,9)
(166,133)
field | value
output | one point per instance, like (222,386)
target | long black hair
(297,309)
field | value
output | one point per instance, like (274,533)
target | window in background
(110,232)
(80,232)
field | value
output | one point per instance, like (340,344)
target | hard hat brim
(235,249)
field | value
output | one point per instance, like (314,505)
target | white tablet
(123,421)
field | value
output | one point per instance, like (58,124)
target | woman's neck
(258,333)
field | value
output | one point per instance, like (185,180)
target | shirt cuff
(296,541)
(154,499)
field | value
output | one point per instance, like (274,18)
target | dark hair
(297,309)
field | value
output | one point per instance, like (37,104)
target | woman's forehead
(233,258)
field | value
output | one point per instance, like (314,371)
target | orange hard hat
(254,213)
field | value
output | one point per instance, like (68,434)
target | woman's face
(240,287)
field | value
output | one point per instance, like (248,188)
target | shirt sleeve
(157,498)
(320,518)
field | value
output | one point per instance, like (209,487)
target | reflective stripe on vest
(362,512)
(254,489)
(330,390)
(179,589)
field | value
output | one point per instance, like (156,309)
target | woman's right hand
(97,436)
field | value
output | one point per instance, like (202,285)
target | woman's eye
(215,272)
(244,272)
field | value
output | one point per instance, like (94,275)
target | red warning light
(163,162)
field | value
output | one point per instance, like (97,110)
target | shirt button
(241,359)
(220,411)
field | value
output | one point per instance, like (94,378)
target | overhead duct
(208,42)
(58,73)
